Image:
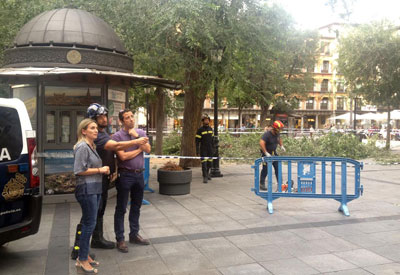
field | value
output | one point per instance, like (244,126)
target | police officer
(204,146)
(104,147)
(268,144)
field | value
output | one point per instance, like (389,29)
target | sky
(312,14)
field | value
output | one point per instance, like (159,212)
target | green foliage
(172,144)
(329,145)
(243,146)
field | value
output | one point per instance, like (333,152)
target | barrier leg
(343,204)
(343,208)
(147,176)
(145,202)
(269,199)
(270,208)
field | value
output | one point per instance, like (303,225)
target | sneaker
(122,247)
(262,187)
(137,239)
(205,179)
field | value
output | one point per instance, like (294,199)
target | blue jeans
(133,184)
(89,205)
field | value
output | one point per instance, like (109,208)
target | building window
(310,103)
(340,103)
(324,85)
(324,103)
(325,67)
(324,47)
(340,87)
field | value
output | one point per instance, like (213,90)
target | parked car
(20,196)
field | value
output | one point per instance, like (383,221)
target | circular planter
(174,182)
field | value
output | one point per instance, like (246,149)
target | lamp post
(147,92)
(215,172)
(355,114)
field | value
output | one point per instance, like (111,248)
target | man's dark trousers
(264,171)
(133,184)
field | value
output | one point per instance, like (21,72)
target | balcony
(309,106)
(325,71)
(323,106)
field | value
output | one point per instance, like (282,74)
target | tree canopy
(369,58)
(249,45)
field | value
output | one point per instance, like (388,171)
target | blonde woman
(88,170)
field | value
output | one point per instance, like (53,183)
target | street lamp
(216,56)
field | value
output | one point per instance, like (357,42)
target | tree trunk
(160,118)
(240,116)
(263,116)
(193,107)
(388,129)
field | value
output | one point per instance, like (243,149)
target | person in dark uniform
(205,146)
(268,144)
(104,147)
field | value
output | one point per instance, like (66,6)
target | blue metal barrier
(310,184)
(146,179)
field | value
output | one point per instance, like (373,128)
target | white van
(20,196)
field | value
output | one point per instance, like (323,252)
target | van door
(14,168)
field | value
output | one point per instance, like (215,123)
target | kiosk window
(65,127)
(50,127)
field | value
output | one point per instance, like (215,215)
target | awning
(145,79)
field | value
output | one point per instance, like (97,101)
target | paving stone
(311,233)
(267,252)
(156,232)
(136,253)
(200,272)
(342,230)
(364,240)
(279,237)
(148,267)
(357,271)
(194,228)
(289,266)
(177,248)
(385,269)
(227,256)
(327,263)
(389,237)
(362,257)
(303,248)
(391,252)
(248,240)
(334,244)
(248,269)
(189,262)
(212,244)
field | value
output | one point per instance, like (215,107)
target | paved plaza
(223,228)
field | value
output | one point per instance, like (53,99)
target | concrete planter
(174,182)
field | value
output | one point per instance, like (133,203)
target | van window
(10,134)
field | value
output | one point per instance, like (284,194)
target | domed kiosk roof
(69,27)
(72,42)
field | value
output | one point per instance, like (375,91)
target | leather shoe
(122,247)
(137,239)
